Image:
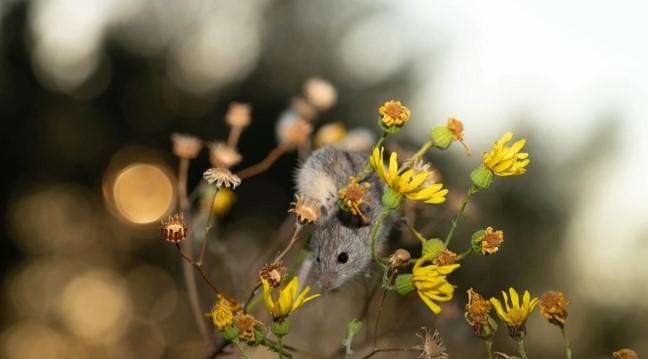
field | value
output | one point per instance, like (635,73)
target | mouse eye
(343,257)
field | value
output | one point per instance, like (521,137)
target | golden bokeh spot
(143,193)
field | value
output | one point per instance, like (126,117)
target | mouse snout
(328,280)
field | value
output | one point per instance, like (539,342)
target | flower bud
(404,284)
(392,199)
(433,246)
(441,137)
(231,333)
(280,328)
(482,177)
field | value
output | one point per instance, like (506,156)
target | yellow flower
(407,184)
(502,160)
(393,115)
(553,307)
(223,202)
(352,197)
(221,315)
(288,300)
(487,241)
(515,315)
(429,281)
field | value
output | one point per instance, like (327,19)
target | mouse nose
(328,279)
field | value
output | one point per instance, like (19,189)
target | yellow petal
(267,297)
(433,306)
(515,299)
(393,166)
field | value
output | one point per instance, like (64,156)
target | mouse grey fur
(341,242)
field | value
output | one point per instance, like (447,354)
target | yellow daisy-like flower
(515,314)
(221,315)
(502,160)
(407,184)
(553,307)
(429,281)
(288,300)
(393,115)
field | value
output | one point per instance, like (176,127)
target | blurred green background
(90,87)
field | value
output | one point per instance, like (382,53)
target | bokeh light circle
(143,193)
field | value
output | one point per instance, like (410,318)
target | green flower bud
(404,284)
(280,327)
(442,137)
(392,199)
(482,177)
(475,241)
(433,246)
(231,333)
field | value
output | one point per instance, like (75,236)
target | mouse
(340,241)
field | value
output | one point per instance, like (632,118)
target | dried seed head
(238,115)
(625,354)
(186,146)
(553,307)
(174,229)
(320,93)
(292,130)
(477,308)
(303,109)
(273,273)
(432,346)
(306,209)
(446,257)
(222,176)
(456,127)
(222,155)
(247,327)
(400,258)
(421,166)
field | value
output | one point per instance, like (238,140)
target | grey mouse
(340,241)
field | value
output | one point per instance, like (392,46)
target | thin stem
(455,221)
(234,135)
(384,350)
(416,233)
(488,347)
(568,351)
(208,225)
(198,268)
(294,239)
(240,349)
(521,351)
(366,170)
(374,236)
(280,347)
(265,163)
(380,310)
(189,276)
(465,253)
(418,154)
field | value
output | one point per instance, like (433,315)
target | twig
(473,189)
(208,225)
(265,163)
(234,135)
(190,278)
(380,310)
(198,268)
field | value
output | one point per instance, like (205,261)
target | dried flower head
(320,93)
(186,146)
(273,273)
(446,257)
(353,196)
(487,241)
(222,155)
(174,229)
(330,134)
(432,346)
(222,176)
(553,307)
(221,315)
(400,258)
(303,109)
(422,166)
(306,209)
(238,114)
(477,309)
(230,303)
(393,115)
(292,130)
(625,354)
(247,327)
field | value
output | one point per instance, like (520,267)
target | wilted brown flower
(446,257)
(320,93)
(273,273)
(238,114)
(230,303)
(222,176)
(222,155)
(186,146)
(247,326)
(306,209)
(477,308)
(625,354)
(174,229)
(352,197)
(432,346)
(553,305)
(399,258)
(487,241)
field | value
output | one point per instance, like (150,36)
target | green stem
(473,189)
(418,154)
(488,347)
(280,347)
(240,349)
(568,351)
(374,236)
(416,233)
(465,253)
(521,351)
